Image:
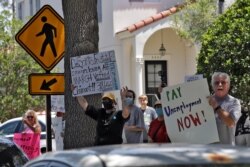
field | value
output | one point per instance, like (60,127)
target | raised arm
(36,128)
(81,100)
(125,109)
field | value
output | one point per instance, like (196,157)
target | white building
(136,29)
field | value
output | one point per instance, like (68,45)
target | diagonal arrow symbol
(46,85)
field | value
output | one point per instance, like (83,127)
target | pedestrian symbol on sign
(49,31)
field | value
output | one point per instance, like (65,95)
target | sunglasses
(30,117)
(220,82)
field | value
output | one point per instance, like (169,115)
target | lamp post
(162,49)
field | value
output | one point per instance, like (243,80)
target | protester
(135,126)
(110,122)
(58,124)
(149,114)
(160,88)
(29,139)
(31,123)
(226,107)
(157,129)
(242,134)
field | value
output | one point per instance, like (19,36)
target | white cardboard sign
(188,116)
(94,73)
(57,103)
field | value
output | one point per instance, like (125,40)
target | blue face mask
(159,112)
(128,101)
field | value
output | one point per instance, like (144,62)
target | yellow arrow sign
(43,37)
(46,84)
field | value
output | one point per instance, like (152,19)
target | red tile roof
(153,18)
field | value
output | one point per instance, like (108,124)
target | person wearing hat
(110,122)
(157,132)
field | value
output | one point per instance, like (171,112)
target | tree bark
(81,37)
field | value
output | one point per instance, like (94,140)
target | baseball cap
(109,95)
(158,102)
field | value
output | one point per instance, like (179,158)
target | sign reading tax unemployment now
(187,114)
(94,73)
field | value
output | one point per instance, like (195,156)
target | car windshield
(43,127)
(9,128)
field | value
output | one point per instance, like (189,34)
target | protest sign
(57,103)
(29,143)
(94,73)
(189,78)
(187,114)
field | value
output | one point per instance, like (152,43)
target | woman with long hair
(31,121)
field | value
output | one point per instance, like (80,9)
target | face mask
(159,112)
(107,105)
(128,101)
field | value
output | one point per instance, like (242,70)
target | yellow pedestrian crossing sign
(43,37)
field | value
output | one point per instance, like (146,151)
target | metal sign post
(48,122)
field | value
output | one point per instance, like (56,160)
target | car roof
(12,119)
(150,155)
(40,115)
(20,118)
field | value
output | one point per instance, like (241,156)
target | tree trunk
(81,37)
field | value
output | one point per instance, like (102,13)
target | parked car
(147,155)
(16,125)
(10,154)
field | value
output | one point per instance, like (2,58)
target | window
(31,8)
(9,128)
(43,127)
(153,78)
(155,75)
(38,5)
(20,10)
(99,10)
